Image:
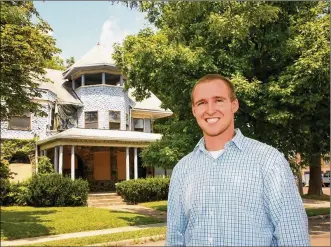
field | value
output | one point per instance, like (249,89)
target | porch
(103,157)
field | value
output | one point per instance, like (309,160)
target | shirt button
(211,213)
(215,163)
(210,240)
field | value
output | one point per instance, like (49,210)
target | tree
(55,63)
(70,61)
(268,49)
(25,48)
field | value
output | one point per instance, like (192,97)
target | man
(231,190)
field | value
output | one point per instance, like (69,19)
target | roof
(152,103)
(62,93)
(93,135)
(99,55)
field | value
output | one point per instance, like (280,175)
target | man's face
(213,109)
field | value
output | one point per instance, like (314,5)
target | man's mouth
(212,120)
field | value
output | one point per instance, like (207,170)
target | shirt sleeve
(176,219)
(284,205)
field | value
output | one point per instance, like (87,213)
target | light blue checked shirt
(245,197)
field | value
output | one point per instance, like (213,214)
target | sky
(79,25)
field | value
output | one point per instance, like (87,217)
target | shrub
(144,190)
(5,174)
(57,190)
(44,165)
(19,194)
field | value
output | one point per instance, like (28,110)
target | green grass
(317,211)
(159,205)
(315,197)
(25,222)
(105,238)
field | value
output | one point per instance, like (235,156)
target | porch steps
(104,200)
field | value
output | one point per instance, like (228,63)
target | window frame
(96,121)
(134,128)
(21,116)
(119,122)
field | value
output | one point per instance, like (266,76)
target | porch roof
(99,137)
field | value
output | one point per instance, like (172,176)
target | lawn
(159,205)
(162,206)
(25,222)
(105,238)
(321,197)
(317,211)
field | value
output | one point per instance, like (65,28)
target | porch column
(36,158)
(45,152)
(56,159)
(83,80)
(135,163)
(127,168)
(103,78)
(61,160)
(73,162)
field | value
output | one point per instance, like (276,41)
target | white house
(94,128)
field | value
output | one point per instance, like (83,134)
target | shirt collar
(238,140)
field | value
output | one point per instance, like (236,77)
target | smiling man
(231,190)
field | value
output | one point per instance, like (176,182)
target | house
(95,129)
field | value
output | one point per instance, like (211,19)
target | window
(138,124)
(127,121)
(20,122)
(114,120)
(91,120)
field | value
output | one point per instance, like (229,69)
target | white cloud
(50,33)
(111,33)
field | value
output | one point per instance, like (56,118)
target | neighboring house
(94,128)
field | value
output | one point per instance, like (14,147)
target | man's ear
(193,111)
(235,105)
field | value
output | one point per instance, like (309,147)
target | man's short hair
(214,77)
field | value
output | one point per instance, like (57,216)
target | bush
(19,194)
(57,190)
(5,174)
(44,165)
(144,190)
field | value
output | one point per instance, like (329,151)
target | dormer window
(22,122)
(91,120)
(114,120)
(93,79)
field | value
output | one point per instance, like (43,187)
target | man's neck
(214,143)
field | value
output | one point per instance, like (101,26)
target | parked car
(326,179)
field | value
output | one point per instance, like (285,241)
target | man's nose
(211,108)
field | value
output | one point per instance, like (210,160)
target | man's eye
(200,103)
(219,100)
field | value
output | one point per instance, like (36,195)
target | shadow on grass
(23,224)
(161,208)
(141,220)
(319,226)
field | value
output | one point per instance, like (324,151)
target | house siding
(38,124)
(103,98)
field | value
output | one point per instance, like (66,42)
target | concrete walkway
(44,239)
(310,203)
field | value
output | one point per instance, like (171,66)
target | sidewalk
(44,239)
(311,203)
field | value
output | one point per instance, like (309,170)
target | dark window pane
(19,123)
(91,120)
(114,126)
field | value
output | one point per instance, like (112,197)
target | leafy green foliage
(56,190)
(144,190)
(276,54)
(55,63)
(5,174)
(25,48)
(45,166)
(13,146)
(70,61)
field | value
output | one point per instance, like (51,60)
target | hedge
(47,190)
(144,190)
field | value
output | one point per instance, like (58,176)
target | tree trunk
(315,183)
(299,175)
